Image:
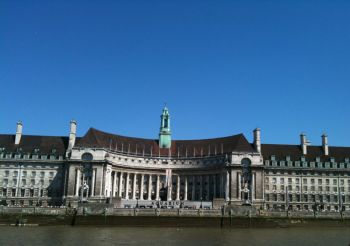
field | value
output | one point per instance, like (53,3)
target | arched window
(87,157)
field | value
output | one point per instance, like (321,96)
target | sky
(222,68)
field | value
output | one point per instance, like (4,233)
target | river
(65,235)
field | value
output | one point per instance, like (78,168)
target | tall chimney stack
(303,143)
(257,140)
(19,129)
(325,144)
(72,134)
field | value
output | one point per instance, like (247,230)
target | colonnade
(146,186)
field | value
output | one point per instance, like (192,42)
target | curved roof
(182,148)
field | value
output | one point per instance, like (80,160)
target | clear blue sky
(223,67)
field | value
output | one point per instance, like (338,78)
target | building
(133,172)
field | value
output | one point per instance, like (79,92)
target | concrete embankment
(84,216)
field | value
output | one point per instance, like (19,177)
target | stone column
(149,186)
(77,183)
(134,187)
(157,187)
(185,193)
(141,186)
(227,182)
(193,188)
(120,191)
(178,188)
(239,186)
(115,184)
(253,186)
(200,187)
(214,186)
(127,186)
(93,182)
(170,184)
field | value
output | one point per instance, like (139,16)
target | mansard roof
(281,151)
(182,148)
(28,143)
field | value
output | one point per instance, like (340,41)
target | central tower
(165,133)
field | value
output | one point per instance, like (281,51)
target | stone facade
(131,172)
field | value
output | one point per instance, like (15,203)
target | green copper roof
(165,132)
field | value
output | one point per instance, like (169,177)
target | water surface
(65,235)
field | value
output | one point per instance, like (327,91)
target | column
(93,182)
(208,187)
(115,186)
(77,183)
(214,186)
(120,191)
(227,186)
(134,187)
(253,186)
(193,188)
(141,186)
(221,185)
(185,194)
(200,187)
(170,185)
(239,186)
(178,188)
(149,186)
(157,187)
(127,186)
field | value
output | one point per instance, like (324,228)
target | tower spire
(165,132)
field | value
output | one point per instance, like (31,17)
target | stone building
(101,167)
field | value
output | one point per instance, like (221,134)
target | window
(32,182)
(334,182)
(305,188)
(312,181)
(24,182)
(327,188)
(297,180)
(282,187)
(289,180)
(320,188)
(5,182)
(51,174)
(42,174)
(274,187)
(312,188)
(33,174)
(305,181)
(14,182)
(327,181)
(342,182)
(15,173)
(7,173)
(297,188)
(335,189)
(282,180)
(274,180)
(41,182)
(24,174)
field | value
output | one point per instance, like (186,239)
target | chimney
(18,132)
(72,134)
(303,143)
(257,141)
(325,144)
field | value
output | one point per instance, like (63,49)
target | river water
(64,235)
